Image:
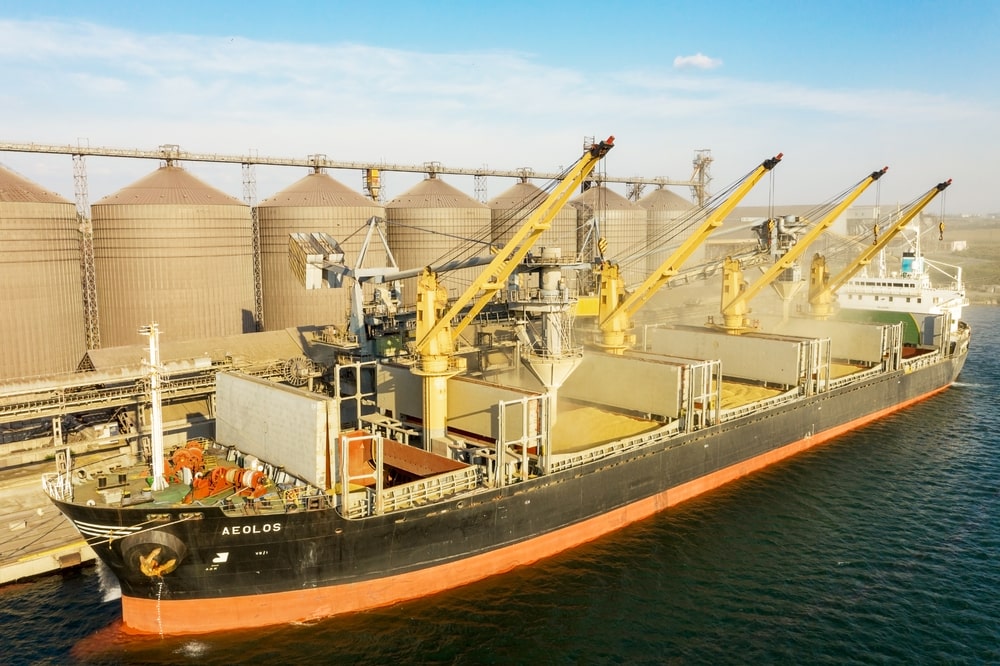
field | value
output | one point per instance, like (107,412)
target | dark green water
(880,547)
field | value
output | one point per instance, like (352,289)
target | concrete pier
(35,539)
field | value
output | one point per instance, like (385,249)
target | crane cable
(866,237)
(682,227)
(812,215)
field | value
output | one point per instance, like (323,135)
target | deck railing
(362,504)
(58,486)
(921,361)
(854,377)
(431,489)
(734,413)
(563,461)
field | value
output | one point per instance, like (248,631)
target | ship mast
(156,412)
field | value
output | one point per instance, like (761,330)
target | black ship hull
(256,570)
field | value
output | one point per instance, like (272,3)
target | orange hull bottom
(229,613)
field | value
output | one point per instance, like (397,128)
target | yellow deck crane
(736,294)
(615,308)
(823,288)
(435,332)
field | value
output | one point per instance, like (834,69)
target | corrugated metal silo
(170,248)
(621,222)
(427,223)
(316,202)
(663,209)
(525,196)
(41,319)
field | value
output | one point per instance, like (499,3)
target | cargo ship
(308,505)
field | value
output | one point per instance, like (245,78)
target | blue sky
(842,88)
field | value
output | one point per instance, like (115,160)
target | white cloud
(696,61)
(356,102)
(104,85)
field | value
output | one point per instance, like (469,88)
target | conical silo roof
(517,196)
(169,185)
(663,199)
(433,193)
(15,188)
(318,189)
(41,277)
(601,196)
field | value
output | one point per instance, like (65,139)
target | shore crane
(736,294)
(823,288)
(436,333)
(616,308)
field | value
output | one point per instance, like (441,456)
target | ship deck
(116,483)
(840,369)
(581,426)
(129,485)
(738,394)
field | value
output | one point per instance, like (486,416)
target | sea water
(882,546)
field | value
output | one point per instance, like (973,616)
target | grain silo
(41,319)
(621,223)
(431,222)
(316,202)
(171,249)
(663,210)
(510,209)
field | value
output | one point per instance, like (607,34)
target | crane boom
(734,310)
(823,289)
(615,310)
(493,277)
(435,333)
